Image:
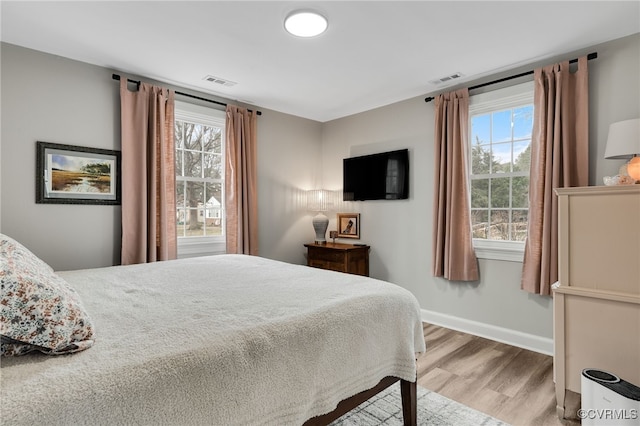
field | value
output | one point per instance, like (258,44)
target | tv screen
(383,176)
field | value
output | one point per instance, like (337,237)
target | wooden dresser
(596,301)
(349,258)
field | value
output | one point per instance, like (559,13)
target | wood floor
(509,383)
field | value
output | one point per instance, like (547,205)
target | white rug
(433,410)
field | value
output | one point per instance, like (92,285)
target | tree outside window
(199,179)
(499,172)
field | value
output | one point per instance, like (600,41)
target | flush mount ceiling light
(305,23)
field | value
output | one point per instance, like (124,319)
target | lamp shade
(623,140)
(319,200)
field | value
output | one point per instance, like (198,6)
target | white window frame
(205,245)
(508,97)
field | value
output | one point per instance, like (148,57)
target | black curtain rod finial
(117,77)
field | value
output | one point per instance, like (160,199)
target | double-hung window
(200,212)
(500,127)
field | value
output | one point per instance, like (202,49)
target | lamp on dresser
(623,142)
(320,200)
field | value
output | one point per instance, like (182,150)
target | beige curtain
(148,174)
(241,191)
(559,158)
(453,254)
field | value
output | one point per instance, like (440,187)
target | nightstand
(349,258)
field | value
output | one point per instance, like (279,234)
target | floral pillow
(39,311)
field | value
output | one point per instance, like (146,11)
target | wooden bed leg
(409,402)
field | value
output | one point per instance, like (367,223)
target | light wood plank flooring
(509,383)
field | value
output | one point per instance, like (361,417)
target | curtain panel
(559,159)
(241,189)
(453,254)
(148,174)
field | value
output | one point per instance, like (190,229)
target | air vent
(220,81)
(447,78)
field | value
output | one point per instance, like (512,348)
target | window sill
(510,251)
(200,246)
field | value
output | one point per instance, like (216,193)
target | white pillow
(38,309)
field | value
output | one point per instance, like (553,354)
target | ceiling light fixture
(305,23)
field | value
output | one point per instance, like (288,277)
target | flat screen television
(382,176)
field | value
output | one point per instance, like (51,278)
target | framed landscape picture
(67,174)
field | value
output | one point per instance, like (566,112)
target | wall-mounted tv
(382,176)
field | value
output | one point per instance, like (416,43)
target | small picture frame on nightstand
(349,225)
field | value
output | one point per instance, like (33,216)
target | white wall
(288,165)
(52,99)
(400,232)
(614,95)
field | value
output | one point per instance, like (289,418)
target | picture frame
(348,225)
(68,174)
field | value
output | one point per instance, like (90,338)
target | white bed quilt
(220,340)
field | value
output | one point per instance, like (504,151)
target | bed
(219,340)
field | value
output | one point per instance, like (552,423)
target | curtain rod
(590,56)
(117,77)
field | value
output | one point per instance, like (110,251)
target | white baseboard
(499,334)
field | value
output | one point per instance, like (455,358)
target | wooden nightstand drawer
(349,258)
(320,254)
(332,266)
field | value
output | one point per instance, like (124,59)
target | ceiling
(374,53)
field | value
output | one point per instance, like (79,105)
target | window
(500,154)
(199,140)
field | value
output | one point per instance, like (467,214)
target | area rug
(385,409)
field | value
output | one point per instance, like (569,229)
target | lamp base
(320,223)
(633,168)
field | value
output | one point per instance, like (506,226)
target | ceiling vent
(220,81)
(447,78)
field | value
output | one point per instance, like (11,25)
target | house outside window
(500,128)
(200,213)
